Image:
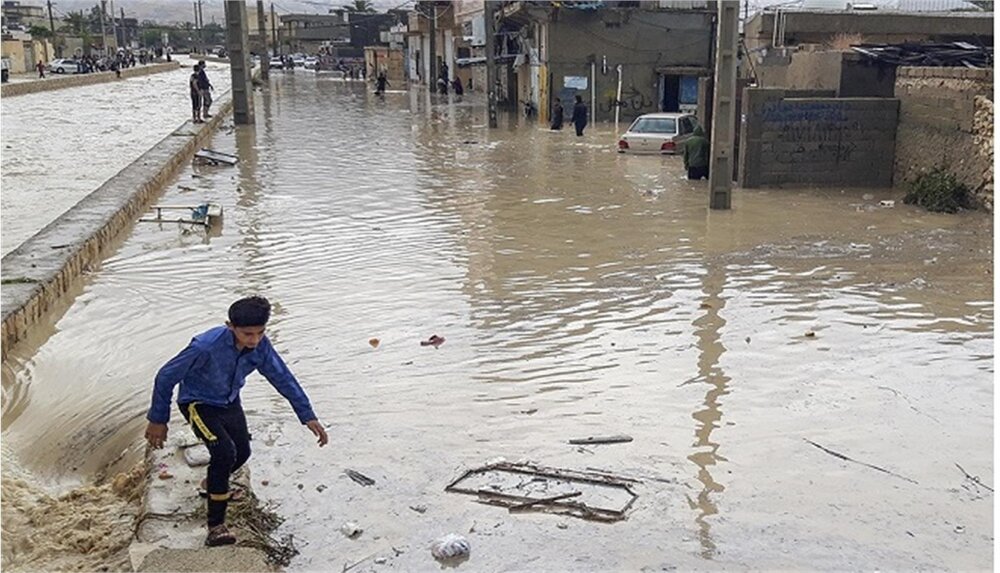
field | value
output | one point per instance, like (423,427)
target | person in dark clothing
(697,155)
(41,69)
(579,118)
(211,372)
(195,97)
(380,84)
(557,115)
(205,87)
(456,86)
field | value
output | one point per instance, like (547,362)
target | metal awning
(951,54)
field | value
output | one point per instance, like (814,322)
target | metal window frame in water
(565,507)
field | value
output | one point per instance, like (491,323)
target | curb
(76,80)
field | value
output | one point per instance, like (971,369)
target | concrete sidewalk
(30,83)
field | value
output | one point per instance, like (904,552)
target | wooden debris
(544,500)
(601,440)
(349,567)
(847,459)
(973,479)
(359,478)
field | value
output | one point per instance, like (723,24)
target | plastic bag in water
(450,546)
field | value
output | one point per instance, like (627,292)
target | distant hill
(180,11)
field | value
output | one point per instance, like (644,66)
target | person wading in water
(211,372)
(696,155)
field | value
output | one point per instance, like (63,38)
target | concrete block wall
(54,82)
(937,127)
(816,141)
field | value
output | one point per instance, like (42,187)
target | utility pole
(262,33)
(201,27)
(489,13)
(114,25)
(122,21)
(720,173)
(194,4)
(433,47)
(104,34)
(274,31)
(239,61)
(52,22)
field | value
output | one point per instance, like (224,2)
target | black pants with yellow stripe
(224,431)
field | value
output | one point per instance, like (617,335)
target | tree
(75,21)
(360,6)
(40,32)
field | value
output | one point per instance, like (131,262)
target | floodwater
(580,293)
(59,146)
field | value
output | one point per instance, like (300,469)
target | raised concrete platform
(171,533)
(36,274)
(55,82)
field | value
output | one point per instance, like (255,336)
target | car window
(654,125)
(687,126)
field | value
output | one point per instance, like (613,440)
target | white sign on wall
(575,82)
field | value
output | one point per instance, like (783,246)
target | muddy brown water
(580,293)
(59,146)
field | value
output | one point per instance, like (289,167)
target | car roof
(663,115)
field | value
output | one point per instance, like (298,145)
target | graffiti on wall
(632,99)
(822,130)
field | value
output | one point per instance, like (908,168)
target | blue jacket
(212,371)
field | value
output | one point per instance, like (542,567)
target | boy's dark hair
(250,311)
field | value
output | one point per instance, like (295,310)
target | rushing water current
(580,292)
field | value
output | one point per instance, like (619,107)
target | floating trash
(351,530)
(451,546)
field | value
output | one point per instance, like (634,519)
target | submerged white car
(657,133)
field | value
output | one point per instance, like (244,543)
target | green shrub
(939,191)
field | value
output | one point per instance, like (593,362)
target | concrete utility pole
(262,32)
(52,22)
(720,178)
(104,34)
(489,13)
(195,5)
(114,25)
(433,47)
(201,27)
(274,31)
(239,61)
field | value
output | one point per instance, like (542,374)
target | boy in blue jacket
(211,372)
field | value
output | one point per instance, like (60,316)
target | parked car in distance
(276,63)
(62,66)
(299,60)
(657,133)
(311,62)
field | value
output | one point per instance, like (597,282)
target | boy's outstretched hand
(316,428)
(156,434)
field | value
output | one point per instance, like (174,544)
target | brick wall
(816,140)
(937,127)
